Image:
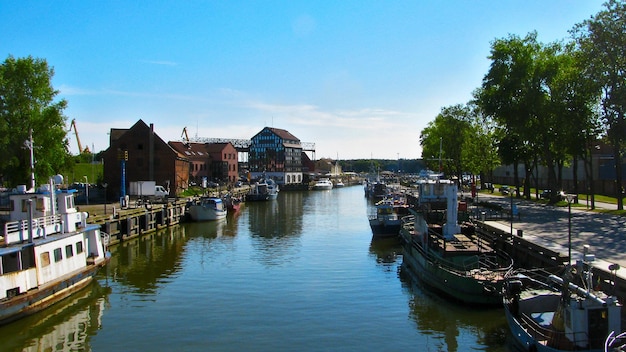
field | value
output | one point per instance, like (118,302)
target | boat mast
(29,144)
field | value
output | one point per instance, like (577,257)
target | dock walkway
(548,226)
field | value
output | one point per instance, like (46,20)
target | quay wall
(527,254)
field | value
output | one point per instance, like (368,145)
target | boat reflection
(275,227)
(66,326)
(454,326)
(388,252)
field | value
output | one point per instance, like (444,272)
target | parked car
(505,189)
(547,194)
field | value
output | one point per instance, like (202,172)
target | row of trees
(541,104)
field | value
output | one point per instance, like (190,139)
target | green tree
(27,103)
(521,92)
(480,152)
(602,40)
(443,139)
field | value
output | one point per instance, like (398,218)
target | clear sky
(360,79)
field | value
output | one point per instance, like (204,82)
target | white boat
(207,209)
(323,184)
(48,252)
(339,184)
(264,189)
(560,313)
(272,189)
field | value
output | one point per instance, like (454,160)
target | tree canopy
(27,103)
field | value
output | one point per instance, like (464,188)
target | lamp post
(86,190)
(570,198)
(105,197)
(511,214)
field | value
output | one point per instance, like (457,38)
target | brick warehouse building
(149,159)
(209,161)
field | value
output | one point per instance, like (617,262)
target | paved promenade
(548,226)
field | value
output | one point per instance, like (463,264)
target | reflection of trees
(275,226)
(66,326)
(142,262)
(447,321)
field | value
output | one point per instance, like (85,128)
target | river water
(297,274)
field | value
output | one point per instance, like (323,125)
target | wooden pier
(128,223)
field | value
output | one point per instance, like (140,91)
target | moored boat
(446,254)
(548,312)
(387,220)
(49,251)
(264,189)
(322,184)
(207,209)
(233,204)
(339,183)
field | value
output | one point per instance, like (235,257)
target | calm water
(297,274)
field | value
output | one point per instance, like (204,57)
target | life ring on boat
(532,348)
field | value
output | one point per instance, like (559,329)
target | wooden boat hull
(39,299)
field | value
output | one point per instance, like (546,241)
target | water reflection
(67,325)
(140,264)
(275,228)
(452,327)
(388,251)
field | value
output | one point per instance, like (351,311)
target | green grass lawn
(582,200)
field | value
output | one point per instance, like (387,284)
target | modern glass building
(276,154)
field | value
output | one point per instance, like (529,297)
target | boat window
(69,202)
(24,205)
(58,255)
(69,251)
(28,257)
(79,247)
(44,258)
(40,205)
(10,262)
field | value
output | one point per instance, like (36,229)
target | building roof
(284,134)
(189,149)
(216,147)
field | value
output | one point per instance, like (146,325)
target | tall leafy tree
(602,40)
(480,152)
(27,103)
(519,91)
(442,140)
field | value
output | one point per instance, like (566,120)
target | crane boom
(80,146)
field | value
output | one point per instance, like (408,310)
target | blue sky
(359,79)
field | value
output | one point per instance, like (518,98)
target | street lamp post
(86,189)
(570,198)
(105,197)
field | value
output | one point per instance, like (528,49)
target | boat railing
(538,332)
(17,231)
(555,338)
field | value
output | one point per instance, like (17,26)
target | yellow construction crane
(185,135)
(80,146)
